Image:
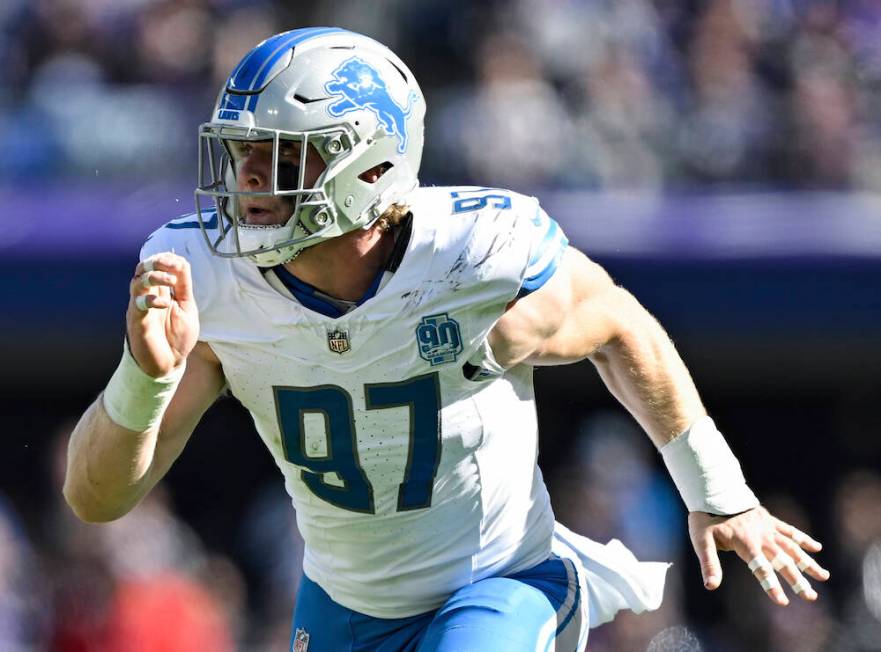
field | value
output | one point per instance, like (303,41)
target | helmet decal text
(362,87)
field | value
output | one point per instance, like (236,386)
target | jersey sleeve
(156,243)
(175,236)
(547,242)
(183,236)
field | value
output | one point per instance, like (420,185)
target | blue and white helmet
(347,96)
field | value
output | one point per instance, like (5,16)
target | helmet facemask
(313,216)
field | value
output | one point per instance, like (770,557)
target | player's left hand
(765,543)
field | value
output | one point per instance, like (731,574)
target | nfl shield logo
(338,341)
(301,641)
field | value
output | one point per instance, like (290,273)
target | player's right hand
(162,320)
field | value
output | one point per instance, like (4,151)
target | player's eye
(239,150)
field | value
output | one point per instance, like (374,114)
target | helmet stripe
(294,40)
(283,47)
(242,77)
(234,102)
(252,70)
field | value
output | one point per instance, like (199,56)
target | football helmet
(335,92)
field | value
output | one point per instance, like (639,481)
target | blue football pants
(525,611)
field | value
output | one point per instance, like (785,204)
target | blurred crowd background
(634,94)
(567,99)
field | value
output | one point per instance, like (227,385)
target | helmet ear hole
(373,174)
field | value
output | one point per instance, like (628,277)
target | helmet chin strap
(284,254)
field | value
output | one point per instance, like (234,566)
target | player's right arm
(111,467)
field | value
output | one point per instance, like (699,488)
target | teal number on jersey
(422,395)
(292,404)
(353,491)
(479,198)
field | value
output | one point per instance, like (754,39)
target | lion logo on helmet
(362,87)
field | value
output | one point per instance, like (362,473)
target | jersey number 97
(420,394)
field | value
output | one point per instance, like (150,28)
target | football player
(383,337)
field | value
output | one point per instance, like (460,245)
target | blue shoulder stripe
(533,283)
(553,233)
(544,260)
(194,224)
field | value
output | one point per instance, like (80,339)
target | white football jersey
(410,480)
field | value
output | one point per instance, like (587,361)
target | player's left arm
(580,313)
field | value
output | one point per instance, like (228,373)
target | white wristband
(136,400)
(705,471)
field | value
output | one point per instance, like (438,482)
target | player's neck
(345,266)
